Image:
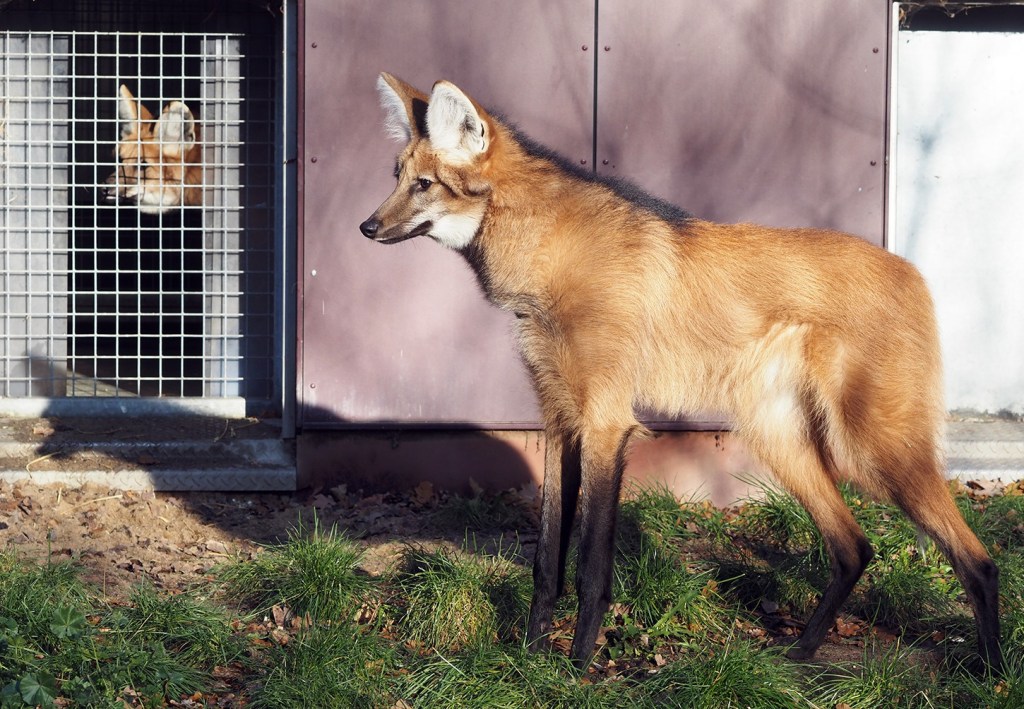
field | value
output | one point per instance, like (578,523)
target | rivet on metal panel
(604,162)
(313,45)
(873,163)
(874,50)
(313,159)
(584,47)
(583,161)
(312,385)
(313,273)
(607,48)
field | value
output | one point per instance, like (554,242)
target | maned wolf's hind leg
(799,468)
(558,510)
(928,503)
(914,482)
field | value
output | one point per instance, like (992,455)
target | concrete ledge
(165,480)
(214,454)
(142,453)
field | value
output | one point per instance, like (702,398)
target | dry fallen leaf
(280,614)
(424,492)
(849,628)
(43,428)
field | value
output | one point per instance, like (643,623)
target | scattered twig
(227,429)
(40,459)
(98,499)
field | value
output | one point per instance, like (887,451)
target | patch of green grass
(30,594)
(188,627)
(59,642)
(652,576)
(998,520)
(774,553)
(736,674)
(779,521)
(330,666)
(450,601)
(316,572)
(753,583)
(892,678)
(500,676)
(970,689)
(906,595)
(659,513)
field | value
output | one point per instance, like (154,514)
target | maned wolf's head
(442,190)
(159,161)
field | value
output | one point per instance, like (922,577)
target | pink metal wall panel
(402,333)
(746,110)
(736,110)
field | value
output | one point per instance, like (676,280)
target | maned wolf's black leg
(561,488)
(931,507)
(848,564)
(599,499)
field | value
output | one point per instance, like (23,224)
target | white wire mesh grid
(98,299)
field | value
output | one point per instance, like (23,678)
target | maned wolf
(159,161)
(822,347)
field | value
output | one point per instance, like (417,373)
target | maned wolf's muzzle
(371,229)
(119,188)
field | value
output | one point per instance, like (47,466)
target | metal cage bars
(98,300)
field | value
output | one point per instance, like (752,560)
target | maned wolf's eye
(425,183)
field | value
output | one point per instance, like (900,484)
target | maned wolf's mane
(666,211)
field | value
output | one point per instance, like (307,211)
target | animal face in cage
(159,161)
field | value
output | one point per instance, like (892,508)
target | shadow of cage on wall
(104,293)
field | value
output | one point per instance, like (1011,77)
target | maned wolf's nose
(370,227)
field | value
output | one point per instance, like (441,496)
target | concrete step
(208,453)
(148,453)
(985,450)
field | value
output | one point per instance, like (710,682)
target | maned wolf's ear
(130,112)
(176,129)
(405,108)
(454,125)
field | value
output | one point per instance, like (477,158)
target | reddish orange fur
(155,175)
(822,347)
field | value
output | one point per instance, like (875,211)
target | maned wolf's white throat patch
(456,231)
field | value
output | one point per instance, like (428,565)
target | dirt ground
(173,540)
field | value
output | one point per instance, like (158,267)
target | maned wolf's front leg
(603,457)
(561,488)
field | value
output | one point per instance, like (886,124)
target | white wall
(957,202)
